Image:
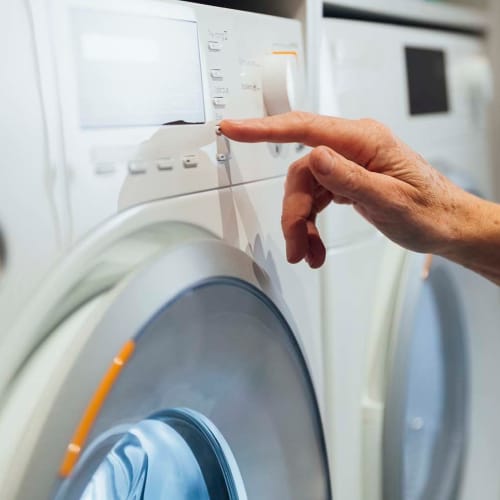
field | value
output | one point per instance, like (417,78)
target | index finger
(351,138)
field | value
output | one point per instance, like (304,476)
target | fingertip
(231,123)
(315,264)
(296,243)
(248,130)
(230,127)
(316,254)
(294,252)
(294,260)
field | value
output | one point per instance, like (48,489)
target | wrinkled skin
(359,162)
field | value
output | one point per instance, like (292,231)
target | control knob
(280,82)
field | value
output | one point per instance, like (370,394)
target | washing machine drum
(215,402)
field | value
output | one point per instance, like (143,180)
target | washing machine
(430,402)
(409,399)
(430,405)
(32,186)
(170,351)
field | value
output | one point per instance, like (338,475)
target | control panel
(142,86)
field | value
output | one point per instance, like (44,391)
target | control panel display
(136,70)
(427,87)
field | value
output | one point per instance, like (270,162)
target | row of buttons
(142,166)
(219,101)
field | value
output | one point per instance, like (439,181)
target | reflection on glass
(425,395)
(151,461)
(123,473)
(128,74)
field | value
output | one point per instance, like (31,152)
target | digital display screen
(427,85)
(135,70)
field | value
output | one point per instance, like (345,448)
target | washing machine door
(191,385)
(426,402)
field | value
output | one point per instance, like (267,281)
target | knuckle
(303,116)
(295,168)
(299,168)
(376,128)
(292,223)
(352,180)
(403,200)
(292,170)
(368,122)
(307,123)
(381,138)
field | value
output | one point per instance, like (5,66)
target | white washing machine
(430,402)
(409,416)
(171,352)
(32,186)
(430,406)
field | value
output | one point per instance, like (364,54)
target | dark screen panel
(427,86)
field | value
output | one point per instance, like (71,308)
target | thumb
(343,177)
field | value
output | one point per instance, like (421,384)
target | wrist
(472,228)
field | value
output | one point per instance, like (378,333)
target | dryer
(171,351)
(400,428)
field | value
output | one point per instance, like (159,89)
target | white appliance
(399,429)
(430,401)
(171,351)
(32,185)
(433,88)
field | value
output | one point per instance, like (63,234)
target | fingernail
(324,162)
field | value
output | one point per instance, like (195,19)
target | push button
(190,161)
(216,74)
(223,150)
(137,167)
(215,46)
(105,167)
(165,164)
(220,102)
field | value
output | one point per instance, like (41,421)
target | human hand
(359,162)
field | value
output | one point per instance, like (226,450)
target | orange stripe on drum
(94,407)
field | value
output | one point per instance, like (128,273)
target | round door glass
(426,402)
(178,454)
(425,396)
(216,402)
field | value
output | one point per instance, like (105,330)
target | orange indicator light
(426,271)
(285,53)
